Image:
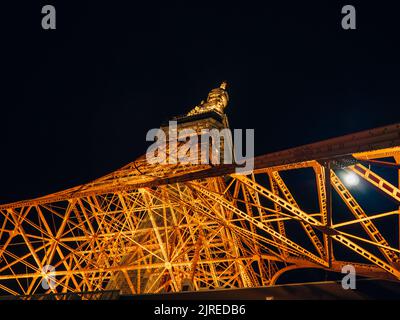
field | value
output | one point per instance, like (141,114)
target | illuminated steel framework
(151,228)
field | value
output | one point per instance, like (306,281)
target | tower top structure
(217,101)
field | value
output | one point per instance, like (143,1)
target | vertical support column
(328,194)
(397,159)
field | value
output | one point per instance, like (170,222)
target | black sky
(76,102)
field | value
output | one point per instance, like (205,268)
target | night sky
(76,102)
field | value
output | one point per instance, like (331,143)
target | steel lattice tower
(153,228)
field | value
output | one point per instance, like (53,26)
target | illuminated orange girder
(152,228)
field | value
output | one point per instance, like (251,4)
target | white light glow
(351,179)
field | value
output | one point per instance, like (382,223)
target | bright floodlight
(351,179)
